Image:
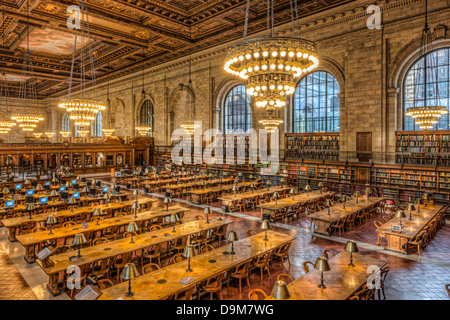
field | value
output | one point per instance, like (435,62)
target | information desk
(323,221)
(397,240)
(62,261)
(165,282)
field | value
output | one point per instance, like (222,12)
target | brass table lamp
(276,195)
(167,200)
(322,266)
(280,291)
(173,219)
(51,220)
(207,211)
(266,226)
(357,194)
(320,185)
(132,227)
(97,213)
(411,208)
(400,214)
(307,189)
(129,272)
(328,204)
(30,208)
(232,237)
(351,247)
(189,252)
(78,240)
(418,202)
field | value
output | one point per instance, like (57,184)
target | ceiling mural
(125,33)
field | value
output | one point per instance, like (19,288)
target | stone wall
(368,64)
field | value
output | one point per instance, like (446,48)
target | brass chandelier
(82,110)
(5,125)
(427,116)
(271,122)
(271,64)
(27,92)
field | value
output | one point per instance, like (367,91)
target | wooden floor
(410,277)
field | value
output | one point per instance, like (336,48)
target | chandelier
(270,122)
(65,134)
(427,116)
(5,125)
(271,64)
(82,110)
(143,131)
(27,92)
(83,133)
(108,132)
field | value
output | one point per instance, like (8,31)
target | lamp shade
(189,251)
(136,192)
(17,197)
(39,187)
(410,207)
(280,291)
(54,193)
(367,190)
(67,184)
(232,236)
(344,198)
(207,210)
(167,200)
(27,181)
(31,206)
(268,182)
(418,201)
(97,212)
(292,191)
(276,195)
(400,214)
(72,201)
(252,185)
(322,264)
(426,197)
(357,194)
(5,190)
(328,203)
(51,219)
(235,188)
(266,225)
(282,180)
(174,218)
(135,206)
(307,187)
(351,246)
(320,185)
(129,272)
(78,239)
(132,227)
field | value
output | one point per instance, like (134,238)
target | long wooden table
(274,206)
(396,241)
(14,223)
(197,184)
(198,195)
(231,200)
(323,221)
(165,282)
(111,249)
(341,281)
(29,240)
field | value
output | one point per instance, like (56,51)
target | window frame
(229,119)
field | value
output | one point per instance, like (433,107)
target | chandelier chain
(247,9)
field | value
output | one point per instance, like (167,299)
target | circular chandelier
(270,65)
(27,122)
(426,117)
(143,130)
(189,127)
(83,110)
(108,132)
(271,122)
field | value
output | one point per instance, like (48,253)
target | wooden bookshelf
(312,146)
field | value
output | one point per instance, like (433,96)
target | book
(187,280)
(88,293)
(44,253)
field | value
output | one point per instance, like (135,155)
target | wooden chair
(326,252)
(152,252)
(177,258)
(206,248)
(155,227)
(250,233)
(104,284)
(150,267)
(84,270)
(100,268)
(305,266)
(417,242)
(383,274)
(214,285)
(262,262)
(284,277)
(381,235)
(69,223)
(99,241)
(338,225)
(254,294)
(364,294)
(241,272)
(120,262)
(283,252)
(186,294)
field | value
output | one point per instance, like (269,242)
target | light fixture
(400,214)
(344,199)
(189,252)
(351,247)
(270,121)
(78,240)
(132,227)
(427,116)
(232,237)
(49,134)
(266,226)
(410,207)
(129,272)
(418,202)
(322,266)
(65,134)
(280,291)
(5,125)
(108,132)
(173,220)
(82,110)
(307,189)
(189,113)
(271,64)
(51,220)
(37,134)
(357,194)
(207,211)
(143,131)
(97,213)
(27,121)
(83,133)
(328,204)
(167,200)
(276,195)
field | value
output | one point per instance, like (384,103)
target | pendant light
(82,110)
(27,94)
(271,64)
(143,130)
(271,121)
(427,116)
(107,132)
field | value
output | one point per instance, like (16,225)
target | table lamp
(280,291)
(276,195)
(27,181)
(232,237)
(266,226)
(132,227)
(307,189)
(167,200)
(236,180)
(17,197)
(135,207)
(207,212)
(367,190)
(30,208)
(344,199)
(418,202)
(173,219)
(400,214)
(203,184)
(55,181)
(39,187)
(97,213)
(292,192)
(328,204)
(5,190)
(282,181)
(410,207)
(71,202)
(129,272)
(351,247)
(235,190)
(268,185)
(320,185)
(322,266)
(106,197)
(250,177)
(136,193)
(51,220)
(426,198)
(253,186)
(189,252)
(357,194)
(78,240)
(67,184)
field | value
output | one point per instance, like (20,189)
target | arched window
(316,104)
(146,114)
(430,88)
(65,122)
(96,126)
(237,110)
(77,134)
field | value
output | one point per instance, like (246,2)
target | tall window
(77,134)
(96,125)
(237,110)
(65,122)
(425,86)
(146,114)
(316,104)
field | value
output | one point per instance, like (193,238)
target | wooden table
(29,240)
(323,221)
(198,196)
(165,282)
(341,281)
(274,206)
(196,184)
(231,200)
(111,249)
(396,241)
(14,223)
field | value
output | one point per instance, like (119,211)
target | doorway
(364,146)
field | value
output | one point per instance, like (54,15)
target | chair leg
(240,280)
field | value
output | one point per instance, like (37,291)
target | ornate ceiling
(126,33)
